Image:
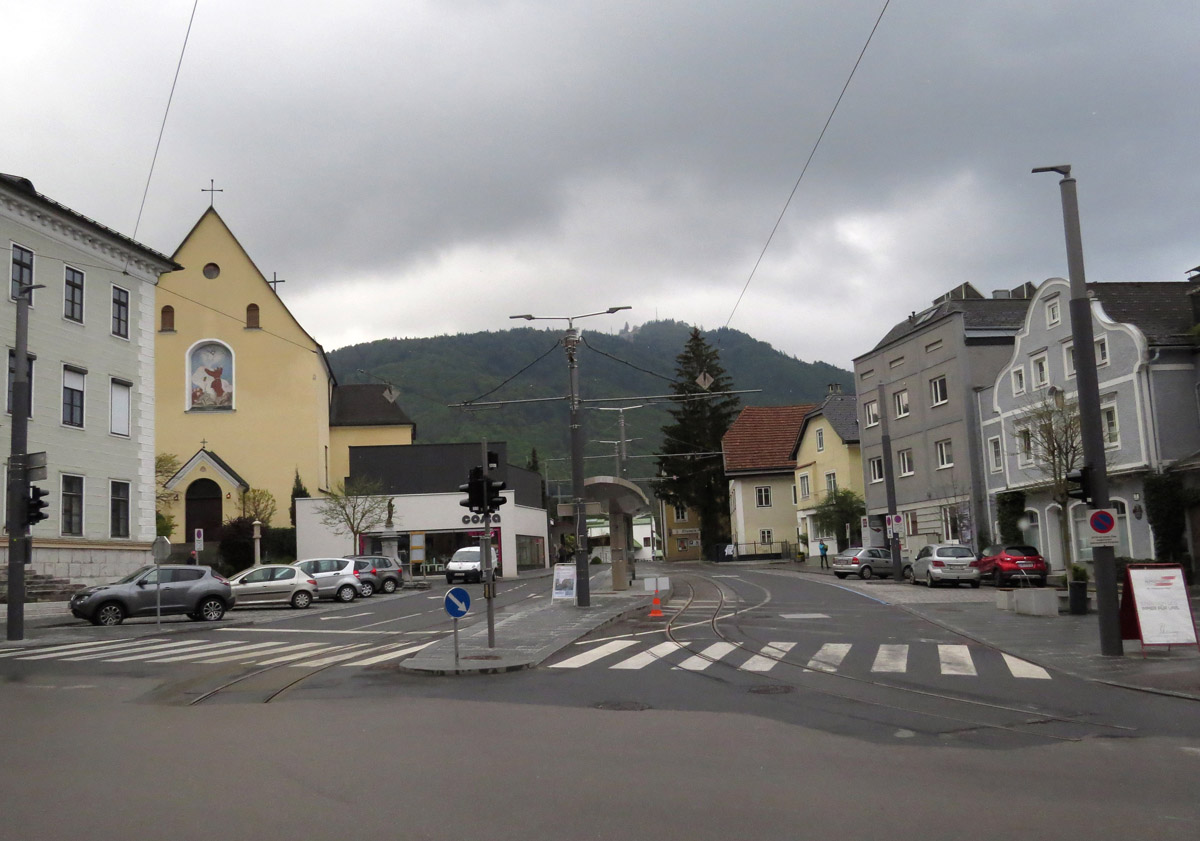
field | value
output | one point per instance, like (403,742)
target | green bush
(1079,572)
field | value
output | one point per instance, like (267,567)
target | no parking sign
(1102,527)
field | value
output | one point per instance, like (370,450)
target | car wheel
(998,578)
(909,575)
(389,586)
(864,573)
(211,609)
(840,574)
(368,589)
(301,599)
(449,578)
(974,585)
(346,593)
(929,580)
(109,613)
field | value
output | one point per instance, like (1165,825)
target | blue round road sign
(1102,522)
(458,602)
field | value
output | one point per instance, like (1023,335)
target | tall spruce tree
(701,417)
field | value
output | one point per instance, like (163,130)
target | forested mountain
(527,363)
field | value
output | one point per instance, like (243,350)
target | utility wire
(163,126)
(796,186)
(555,347)
(584,340)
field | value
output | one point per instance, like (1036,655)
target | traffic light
(494,498)
(34,505)
(1079,484)
(476,491)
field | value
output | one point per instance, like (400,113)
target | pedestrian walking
(192,557)
(824,554)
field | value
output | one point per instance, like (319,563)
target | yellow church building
(245,397)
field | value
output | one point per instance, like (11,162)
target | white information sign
(1102,527)
(564,583)
(1163,612)
(199,540)
(896,522)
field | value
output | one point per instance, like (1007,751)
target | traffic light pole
(583,590)
(1090,421)
(485,555)
(18,477)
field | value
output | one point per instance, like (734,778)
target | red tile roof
(762,438)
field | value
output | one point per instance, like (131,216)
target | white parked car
(465,564)
(948,563)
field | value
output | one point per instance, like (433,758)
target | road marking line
(287,658)
(647,657)
(593,655)
(768,658)
(127,648)
(956,660)
(194,654)
(345,655)
(152,652)
(347,616)
(891,658)
(256,650)
(804,616)
(308,631)
(57,649)
(391,655)
(1023,668)
(700,662)
(829,656)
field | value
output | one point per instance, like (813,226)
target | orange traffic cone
(656,610)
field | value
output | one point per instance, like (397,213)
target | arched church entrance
(203,509)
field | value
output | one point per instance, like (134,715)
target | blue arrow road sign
(458,602)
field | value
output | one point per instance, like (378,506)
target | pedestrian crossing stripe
(953,660)
(165,650)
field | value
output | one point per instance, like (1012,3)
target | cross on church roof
(203,443)
(275,278)
(212,191)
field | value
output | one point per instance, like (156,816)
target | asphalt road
(831,731)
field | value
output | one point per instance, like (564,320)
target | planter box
(1038,602)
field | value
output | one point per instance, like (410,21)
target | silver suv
(388,577)
(193,590)
(944,562)
(336,578)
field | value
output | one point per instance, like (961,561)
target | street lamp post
(257,542)
(1090,425)
(583,594)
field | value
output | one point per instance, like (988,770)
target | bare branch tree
(258,504)
(1049,445)
(166,465)
(354,508)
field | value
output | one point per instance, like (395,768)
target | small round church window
(211,271)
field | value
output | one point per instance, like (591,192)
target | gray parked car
(336,578)
(944,562)
(863,561)
(389,577)
(196,591)
(273,584)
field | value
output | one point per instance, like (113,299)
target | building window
(12,375)
(871,412)
(950,522)
(1101,352)
(1018,381)
(762,496)
(73,295)
(119,509)
(794,500)
(995,454)
(765,536)
(1069,359)
(168,319)
(911,528)
(22,271)
(73,382)
(905,457)
(932,346)
(120,321)
(900,401)
(820,440)
(1031,534)
(681,513)
(72,505)
(1112,429)
(119,405)
(945,454)
(897,362)
(831,482)
(938,392)
(867,374)
(1041,371)
(876,466)
(252,316)
(1024,447)
(1053,313)
(805,489)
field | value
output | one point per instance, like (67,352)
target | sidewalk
(1068,644)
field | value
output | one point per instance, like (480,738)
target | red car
(1014,564)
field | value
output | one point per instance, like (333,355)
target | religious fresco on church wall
(211,376)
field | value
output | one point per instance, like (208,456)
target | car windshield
(956,552)
(1023,551)
(134,575)
(467,553)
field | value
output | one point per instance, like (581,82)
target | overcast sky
(419,168)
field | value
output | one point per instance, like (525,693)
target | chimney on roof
(836,388)
(1001,293)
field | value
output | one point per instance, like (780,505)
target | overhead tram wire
(557,344)
(811,154)
(584,340)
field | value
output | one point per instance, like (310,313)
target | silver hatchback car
(336,578)
(864,561)
(273,584)
(948,563)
